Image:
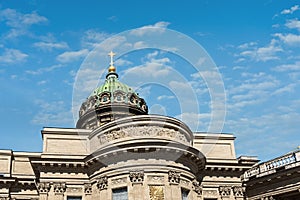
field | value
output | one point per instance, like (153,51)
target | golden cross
(111,54)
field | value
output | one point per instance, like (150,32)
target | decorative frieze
(142,131)
(174,177)
(225,191)
(210,193)
(119,181)
(43,188)
(238,191)
(74,189)
(59,188)
(197,188)
(87,188)
(160,179)
(136,176)
(102,183)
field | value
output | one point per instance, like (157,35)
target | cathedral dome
(110,101)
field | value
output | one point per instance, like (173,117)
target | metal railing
(287,161)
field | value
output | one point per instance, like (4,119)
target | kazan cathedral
(120,152)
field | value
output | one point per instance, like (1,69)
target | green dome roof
(110,101)
(111,85)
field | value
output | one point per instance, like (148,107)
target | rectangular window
(184,194)
(120,194)
(74,198)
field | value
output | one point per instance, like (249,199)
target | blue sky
(255,45)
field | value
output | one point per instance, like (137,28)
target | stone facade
(160,167)
(117,150)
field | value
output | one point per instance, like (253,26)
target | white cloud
(54,113)
(265,53)
(16,19)
(113,18)
(164,97)
(288,67)
(122,62)
(43,70)
(43,82)
(158,27)
(20,22)
(153,67)
(70,56)
(290,10)
(49,46)
(285,89)
(293,24)
(92,38)
(254,89)
(247,45)
(11,56)
(289,39)
(195,121)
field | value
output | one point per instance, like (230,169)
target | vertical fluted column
(137,179)
(88,191)
(102,184)
(197,189)
(174,189)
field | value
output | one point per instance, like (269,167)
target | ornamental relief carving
(160,179)
(119,181)
(102,183)
(151,131)
(238,191)
(210,193)
(59,188)
(74,190)
(197,187)
(88,188)
(225,190)
(43,187)
(174,177)
(136,176)
(156,192)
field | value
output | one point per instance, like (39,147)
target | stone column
(102,184)
(137,179)
(43,189)
(88,191)
(197,189)
(59,190)
(175,190)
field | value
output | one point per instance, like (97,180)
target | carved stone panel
(158,179)
(174,177)
(210,193)
(156,192)
(59,188)
(197,188)
(225,191)
(136,176)
(43,188)
(119,181)
(87,188)
(143,131)
(102,183)
(238,191)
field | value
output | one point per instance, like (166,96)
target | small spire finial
(111,66)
